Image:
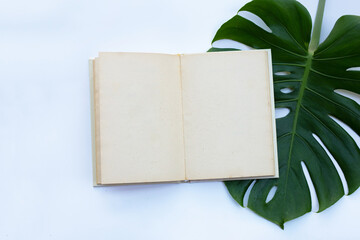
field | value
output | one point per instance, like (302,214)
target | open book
(168,118)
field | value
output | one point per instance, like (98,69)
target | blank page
(228,119)
(139,118)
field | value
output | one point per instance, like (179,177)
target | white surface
(46,184)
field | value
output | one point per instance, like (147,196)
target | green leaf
(312,72)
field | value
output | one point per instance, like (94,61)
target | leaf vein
(284,135)
(314,116)
(335,58)
(287,100)
(341,78)
(289,64)
(333,102)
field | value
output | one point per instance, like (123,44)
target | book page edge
(233,178)
(272,103)
(94,145)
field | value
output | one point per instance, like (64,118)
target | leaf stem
(315,38)
(314,42)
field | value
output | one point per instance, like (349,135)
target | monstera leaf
(306,79)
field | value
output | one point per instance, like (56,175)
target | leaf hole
(286,90)
(355,69)
(227,43)
(271,194)
(348,129)
(281,112)
(247,194)
(349,94)
(282,73)
(336,164)
(255,19)
(313,195)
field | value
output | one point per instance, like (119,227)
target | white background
(45,146)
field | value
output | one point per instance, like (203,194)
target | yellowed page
(228,124)
(140,118)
